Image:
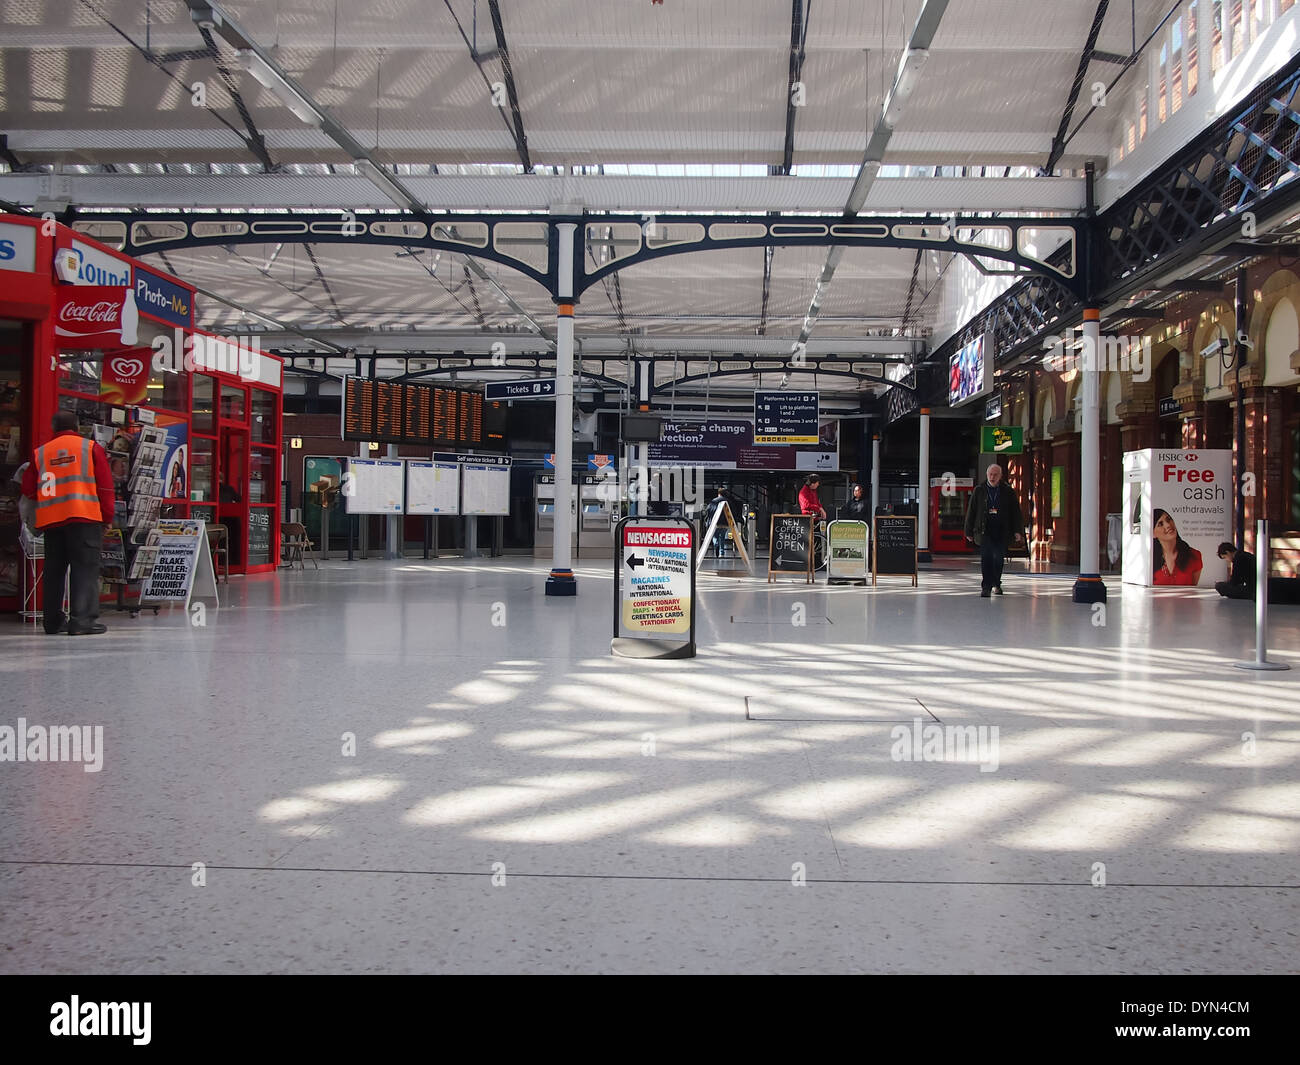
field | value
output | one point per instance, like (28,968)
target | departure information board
(409,412)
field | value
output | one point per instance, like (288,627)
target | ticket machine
(544,517)
(595,539)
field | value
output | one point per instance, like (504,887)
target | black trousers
(73,548)
(1234,591)
(992,556)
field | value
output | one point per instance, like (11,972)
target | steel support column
(923,491)
(561,581)
(1089,588)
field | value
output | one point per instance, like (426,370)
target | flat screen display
(968,372)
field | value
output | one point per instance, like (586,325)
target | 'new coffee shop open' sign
(790,539)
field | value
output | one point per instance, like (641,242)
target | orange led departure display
(397,412)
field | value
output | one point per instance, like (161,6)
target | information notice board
(484,485)
(433,487)
(374,486)
(894,547)
(790,540)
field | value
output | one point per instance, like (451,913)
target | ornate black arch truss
(1046,247)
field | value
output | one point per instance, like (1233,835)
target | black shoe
(93,630)
(62,628)
(998,589)
(984,593)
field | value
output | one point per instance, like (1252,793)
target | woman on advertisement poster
(1176,561)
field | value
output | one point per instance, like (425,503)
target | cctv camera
(1244,340)
(1216,347)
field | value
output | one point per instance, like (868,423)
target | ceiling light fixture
(384,181)
(272,79)
(909,71)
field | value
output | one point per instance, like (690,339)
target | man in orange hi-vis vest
(72,483)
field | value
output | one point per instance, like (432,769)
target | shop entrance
(232,493)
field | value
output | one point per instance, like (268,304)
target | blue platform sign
(785,418)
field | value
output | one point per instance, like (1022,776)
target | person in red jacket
(72,483)
(809,503)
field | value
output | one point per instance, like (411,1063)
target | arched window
(1280,341)
(1214,364)
(1111,399)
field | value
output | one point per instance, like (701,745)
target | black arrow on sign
(633,562)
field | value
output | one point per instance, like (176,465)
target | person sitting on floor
(1241,580)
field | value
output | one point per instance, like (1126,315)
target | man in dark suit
(993,521)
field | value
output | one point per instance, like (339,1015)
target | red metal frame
(30,297)
(948,540)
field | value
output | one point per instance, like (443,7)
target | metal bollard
(1261,661)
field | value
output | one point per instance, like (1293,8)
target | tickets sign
(655,590)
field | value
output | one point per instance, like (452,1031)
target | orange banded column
(1089,587)
(561,580)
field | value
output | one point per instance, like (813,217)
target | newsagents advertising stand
(654,588)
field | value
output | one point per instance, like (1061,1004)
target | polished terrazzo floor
(520,801)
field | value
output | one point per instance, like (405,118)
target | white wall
(1260,60)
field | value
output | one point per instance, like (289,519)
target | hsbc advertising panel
(1177,510)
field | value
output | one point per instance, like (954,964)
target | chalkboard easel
(894,547)
(790,546)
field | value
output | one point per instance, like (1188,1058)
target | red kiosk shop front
(191,421)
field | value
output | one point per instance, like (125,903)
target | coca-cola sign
(103,312)
(90,316)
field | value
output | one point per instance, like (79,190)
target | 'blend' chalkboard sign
(790,545)
(895,547)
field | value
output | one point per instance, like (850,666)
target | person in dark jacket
(993,521)
(1241,580)
(858,508)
